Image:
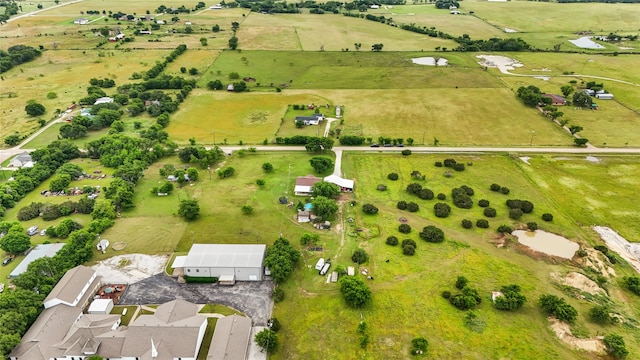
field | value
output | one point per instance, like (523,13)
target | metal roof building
(242,261)
(40,251)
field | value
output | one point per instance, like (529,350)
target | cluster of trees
(47,160)
(518,207)
(532,96)
(615,346)
(605,251)
(497,188)
(311,142)
(281,258)
(10,8)
(355,292)
(369,209)
(468,297)
(511,298)
(103,83)
(16,55)
(50,211)
(34,108)
(494,44)
(419,191)
(326,189)
(450,163)
(116,150)
(558,308)
(162,9)
(159,67)
(352,140)
(15,241)
(462,197)
(200,155)
(321,164)
(409,206)
(189,209)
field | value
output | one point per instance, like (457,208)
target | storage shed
(101,306)
(241,261)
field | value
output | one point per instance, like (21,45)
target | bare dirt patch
(628,251)
(563,332)
(580,282)
(593,260)
(131,268)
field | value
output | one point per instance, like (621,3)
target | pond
(547,243)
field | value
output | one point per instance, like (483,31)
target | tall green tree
(355,291)
(324,208)
(326,189)
(281,258)
(189,209)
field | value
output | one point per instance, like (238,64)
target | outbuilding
(101,306)
(242,262)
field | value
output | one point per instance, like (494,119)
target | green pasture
(126,319)
(330,33)
(526,16)
(352,70)
(67,73)
(154,220)
(616,123)
(406,292)
(213,116)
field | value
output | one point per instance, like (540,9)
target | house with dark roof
(310,120)
(556,100)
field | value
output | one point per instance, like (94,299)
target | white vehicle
(32,230)
(43,232)
(320,264)
(325,268)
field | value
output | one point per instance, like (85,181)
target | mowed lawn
(329,32)
(406,300)
(154,226)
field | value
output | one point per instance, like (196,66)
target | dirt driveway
(252,298)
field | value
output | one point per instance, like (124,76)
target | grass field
(406,290)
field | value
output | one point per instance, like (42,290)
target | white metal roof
(100,305)
(335,179)
(40,251)
(302,189)
(179,262)
(225,255)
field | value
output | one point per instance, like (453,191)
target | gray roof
(225,255)
(40,251)
(230,338)
(71,284)
(23,157)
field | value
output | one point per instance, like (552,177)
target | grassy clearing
(406,292)
(330,32)
(126,319)
(66,76)
(219,309)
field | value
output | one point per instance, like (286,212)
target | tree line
(16,55)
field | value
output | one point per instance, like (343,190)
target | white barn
(241,261)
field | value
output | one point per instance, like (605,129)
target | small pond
(548,243)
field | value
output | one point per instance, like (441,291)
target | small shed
(334,276)
(351,271)
(101,306)
(605,96)
(230,87)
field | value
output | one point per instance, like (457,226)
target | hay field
(337,32)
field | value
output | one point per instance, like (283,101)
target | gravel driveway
(251,297)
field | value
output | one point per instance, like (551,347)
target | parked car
(43,232)
(375,145)
(7,260)
(400,145)
(388,145)
(32,230)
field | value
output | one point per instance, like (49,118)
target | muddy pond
(548,243)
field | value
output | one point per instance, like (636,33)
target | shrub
(513,203)
(274,325)
(483,203)
(515,214)
(414,188)
(557,307)
(467,224)
(402,205)
(408,250)
(438,164)
(369,209)
(526,206)
(413,207)
(505,190)
(495,187)
(267,340)
(406,152)
(532,225)
(359,256)
(505,229)
(511,298)
(441,197)
(632,283)
(277,295)
(419,346)
(482,223)
(461,197)
(404,228)
(547,217)
(615,346)
(432,234)
(458,167)
(267,167)
(446,294)
(601,314)
(441,210)
(381,187)
(425,194)
(449,163)
(392,176)
(392,240)
(490,212)
(461,282)
(467,300)
(200,280)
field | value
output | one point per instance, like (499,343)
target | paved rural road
(252,298)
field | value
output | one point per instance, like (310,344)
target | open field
(406,293)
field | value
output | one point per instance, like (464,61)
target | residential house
(81,21)
(21,160)
(215,7)
(304,184)
(310,120)
(556,100)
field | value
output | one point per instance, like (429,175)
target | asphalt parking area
(251,297)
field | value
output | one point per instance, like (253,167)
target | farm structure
(345,185)
(232,262)
(304,185)
(556,100)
